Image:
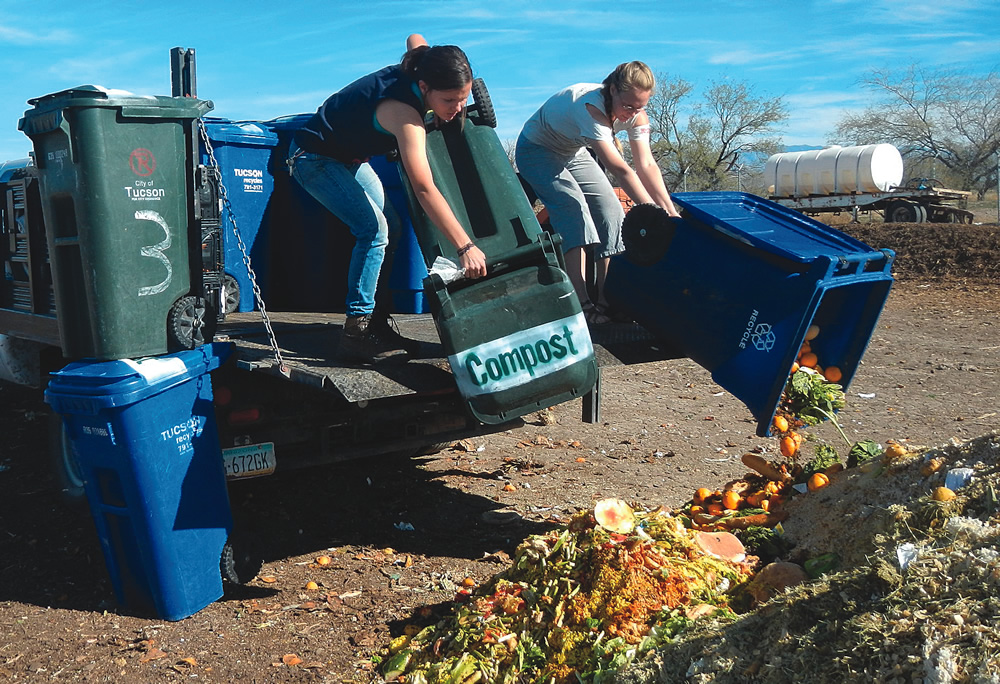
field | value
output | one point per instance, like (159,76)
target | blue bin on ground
(736,283)
(244,151)
(148,447)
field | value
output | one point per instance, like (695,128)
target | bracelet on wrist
(466,248)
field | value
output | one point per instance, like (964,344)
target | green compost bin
(517,340)
(116,177)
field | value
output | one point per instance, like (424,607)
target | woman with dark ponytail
(552,157)
(374,115)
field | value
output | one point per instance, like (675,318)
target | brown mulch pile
(936,250)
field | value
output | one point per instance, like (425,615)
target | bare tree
(699,145)
(949,118)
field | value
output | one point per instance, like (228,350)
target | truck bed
(308,342)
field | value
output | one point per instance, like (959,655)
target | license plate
(253,460)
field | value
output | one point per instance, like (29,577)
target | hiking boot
(386,328)
(363,342)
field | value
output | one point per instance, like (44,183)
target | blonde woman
(552,156)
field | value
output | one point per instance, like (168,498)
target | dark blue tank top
(344,126)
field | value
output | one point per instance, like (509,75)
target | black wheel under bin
(190,323)
(647,232)
(483,104)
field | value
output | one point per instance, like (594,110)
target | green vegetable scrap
(812,399)
(825,457)
(864,451)
(578,604)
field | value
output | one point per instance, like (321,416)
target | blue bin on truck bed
(148,448)
(243,150)
(736,283)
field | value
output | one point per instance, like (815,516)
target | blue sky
(259,60)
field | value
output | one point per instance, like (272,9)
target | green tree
(948,118)
(700,146)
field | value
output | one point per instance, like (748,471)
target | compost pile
(580,601)
(861,560)
(914,597)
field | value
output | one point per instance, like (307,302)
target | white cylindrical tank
(834,170)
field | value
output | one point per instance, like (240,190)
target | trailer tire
(239,562)
(902,211)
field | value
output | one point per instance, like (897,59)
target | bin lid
(110,384)
(9,168)
(161,106)
(291,122)
(769,226)
(241,132)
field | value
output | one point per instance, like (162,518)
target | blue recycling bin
(736,283)
(148,447)
(244,151)
(408,268)
(311,248)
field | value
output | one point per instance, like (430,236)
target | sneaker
(363,342)
(385,326)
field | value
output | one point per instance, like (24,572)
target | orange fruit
(780,424)
(795,368)
(833,374)
(943,494)
(715,509)
(812,332)
(323,560)
(730,500)
(765,505)
(701,495)
(790,444)
(817,481)
(895,451)
(808,359)
(311,586)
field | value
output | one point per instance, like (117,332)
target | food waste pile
(867,560)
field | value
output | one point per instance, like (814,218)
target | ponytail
(442,67)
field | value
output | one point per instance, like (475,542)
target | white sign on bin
(522,357)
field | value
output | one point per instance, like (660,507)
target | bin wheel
(190,323)
(65,462)
(239,563)
(232,299)
(647,232)
(483,104)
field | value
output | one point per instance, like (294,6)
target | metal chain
(227,205)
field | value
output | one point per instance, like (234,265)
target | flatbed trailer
(912,204)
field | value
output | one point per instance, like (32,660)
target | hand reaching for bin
(473,261)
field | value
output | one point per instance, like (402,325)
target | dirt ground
(402,536)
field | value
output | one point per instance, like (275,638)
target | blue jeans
(354,194)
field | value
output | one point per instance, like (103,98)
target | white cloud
(17,36)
